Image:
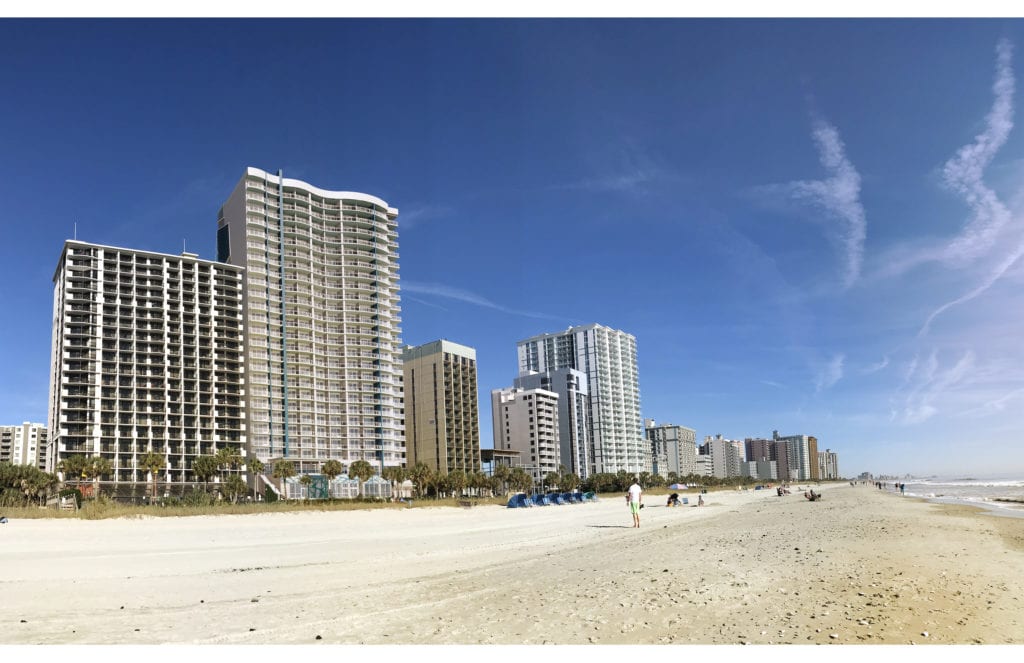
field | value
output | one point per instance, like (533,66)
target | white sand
(860,566)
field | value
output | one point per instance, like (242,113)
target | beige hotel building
(442,418)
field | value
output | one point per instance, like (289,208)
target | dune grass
(104,509)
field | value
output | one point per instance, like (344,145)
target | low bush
(68,492)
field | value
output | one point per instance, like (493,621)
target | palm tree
(255,468)
(306,482)
(96,467)
(502,473)
(553,480)
(457,481)
(396,475)
(361,469)
(36,484)
(228,458)
(234,488)
(153,462)
(332,468)
(283,469)
(205,467)
(520,479)
(440,483)
(421,475)
(569,482)
(478,481)
(73,467)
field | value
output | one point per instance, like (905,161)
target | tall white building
(727,456)
(147,356)
(828,464)
(322,313)
(573,414)
(608,358)
(673,448)
(526,420)
(24,444)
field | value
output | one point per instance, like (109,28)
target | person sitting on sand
(700,500)
(673,500)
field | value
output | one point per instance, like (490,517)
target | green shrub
(68,492)
(269,496)
(198,498)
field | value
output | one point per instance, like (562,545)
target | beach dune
(861,566)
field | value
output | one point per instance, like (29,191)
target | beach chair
(519,501)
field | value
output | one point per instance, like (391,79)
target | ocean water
(1004,496)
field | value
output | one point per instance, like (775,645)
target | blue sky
(810,226)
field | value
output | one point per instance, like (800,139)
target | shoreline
(859,566)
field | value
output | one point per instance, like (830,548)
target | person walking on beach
(635,498)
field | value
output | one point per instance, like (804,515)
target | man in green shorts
(635,497)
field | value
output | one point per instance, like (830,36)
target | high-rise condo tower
(608,358)
(322,313)
(146,359)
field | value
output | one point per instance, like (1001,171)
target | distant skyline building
(759,469)
(147,356)
(322,311)
(24,444)
(673,448)
(828,464)
(798,455)
(442,418)
(526,420)
(704,465)
(573,414)
(812,458)
(772,450)
(608,358)
(726,456)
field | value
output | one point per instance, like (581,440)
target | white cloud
(997,405)
(933,385)
(458,294)
(963,173)
(839,196)
(830,373)
(1000,268)
(874,368)
(632,181)
(417,215)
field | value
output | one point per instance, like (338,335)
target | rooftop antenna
(76,231)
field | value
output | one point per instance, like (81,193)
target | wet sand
(861,566)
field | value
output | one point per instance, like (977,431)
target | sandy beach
(861,566)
